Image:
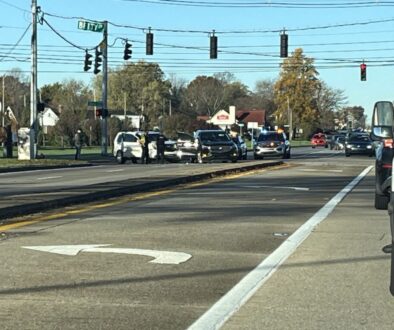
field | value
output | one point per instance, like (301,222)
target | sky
(338,35)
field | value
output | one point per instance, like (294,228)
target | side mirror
(382,132)
(382,121)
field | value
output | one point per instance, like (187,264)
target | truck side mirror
(382,120)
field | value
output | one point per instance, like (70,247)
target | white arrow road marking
(277,187)
(160,257)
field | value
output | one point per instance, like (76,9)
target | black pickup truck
(383,135)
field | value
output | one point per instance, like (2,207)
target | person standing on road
(161,139)
(78,144)
(144,142)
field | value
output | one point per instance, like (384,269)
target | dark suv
(382,134)
(215,145)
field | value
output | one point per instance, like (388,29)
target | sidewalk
(338,278)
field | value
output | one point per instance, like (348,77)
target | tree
(330,101)
(17,95)
(70,98)
(138,88)
(205,95)
(297,90)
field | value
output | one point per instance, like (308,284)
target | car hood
(219,143)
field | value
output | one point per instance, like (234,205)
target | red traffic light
(363,72)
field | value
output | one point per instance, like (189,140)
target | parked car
(128,147)
(339,143)
(272,143)
(319,140)
(358,144)
(242,148)
(215,145)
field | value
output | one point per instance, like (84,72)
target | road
(227,226)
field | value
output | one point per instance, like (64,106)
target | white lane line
(53,170)
(278,187)
(233,300)
(49,177)
(118,170)
(315,170)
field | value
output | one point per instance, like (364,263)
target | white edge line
(233,300)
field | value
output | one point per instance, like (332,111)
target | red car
(319,140)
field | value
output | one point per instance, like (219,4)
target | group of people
(160,147)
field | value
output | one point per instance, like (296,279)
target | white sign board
(253,124)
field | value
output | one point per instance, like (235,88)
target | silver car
(272,143)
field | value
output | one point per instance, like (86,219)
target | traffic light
(284,44)
(97,61)
(88,61)
(127,51)
(99,112)
(363,71)
(149,43)
(213,53)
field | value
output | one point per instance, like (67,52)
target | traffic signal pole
(33,82)
(104,123)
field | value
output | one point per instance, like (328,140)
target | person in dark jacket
(160,144)
(78,144)
(145,154)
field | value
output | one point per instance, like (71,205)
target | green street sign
(91,26)
(95,103)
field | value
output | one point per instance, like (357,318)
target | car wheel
(234,160)
(134,160)
(119,157)
(347,154)
(245,157)
(288,156)
(381,202)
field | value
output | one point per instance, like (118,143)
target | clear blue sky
(248,39)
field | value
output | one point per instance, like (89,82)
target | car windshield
(214,137)
(360,138)
(271,137)
(318,136)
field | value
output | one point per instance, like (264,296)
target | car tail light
(388,143)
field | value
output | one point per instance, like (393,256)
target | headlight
(369,147)
(349,146)
(206,147)
(188,144)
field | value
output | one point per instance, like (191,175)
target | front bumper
(267,151)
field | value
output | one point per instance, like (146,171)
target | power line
(16,44)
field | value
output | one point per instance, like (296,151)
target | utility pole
(33,82)
(104,123)
(290,116)
(3,114)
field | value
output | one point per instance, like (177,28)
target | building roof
(253,115)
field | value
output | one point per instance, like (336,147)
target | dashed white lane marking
(279,187)
(118,170)
(316,170)
(49,177)
(223,309)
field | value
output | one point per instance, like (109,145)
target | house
(253,118)
(47,118)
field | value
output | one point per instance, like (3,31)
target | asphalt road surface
(202,238)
